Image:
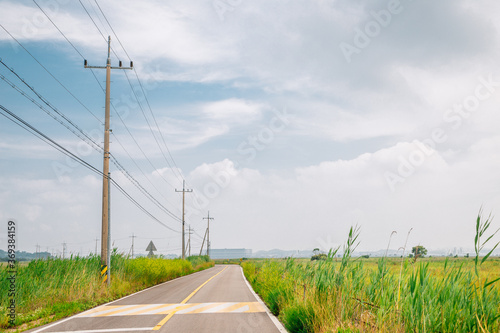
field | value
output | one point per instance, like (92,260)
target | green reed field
(383,295)
(48,290)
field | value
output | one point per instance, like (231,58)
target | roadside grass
(381,295)
(48,290)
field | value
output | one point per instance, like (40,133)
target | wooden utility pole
(132,248)
(184,190)
(203,243)
(105,171)
(208,218)
(190,231)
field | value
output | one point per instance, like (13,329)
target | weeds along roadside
(48,290)
(353,295)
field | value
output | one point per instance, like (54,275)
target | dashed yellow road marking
(123,309)
(160,307)
(204,307)
(98,309)
(167,309)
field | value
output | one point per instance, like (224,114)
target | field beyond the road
(380,294)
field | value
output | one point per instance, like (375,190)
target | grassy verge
(354,295)
(48,290)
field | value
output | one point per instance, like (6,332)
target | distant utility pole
(190,231)
(208,218)
(184,190)
(203,243)
(105,186)
(133,244)
(96,240)
(64,249)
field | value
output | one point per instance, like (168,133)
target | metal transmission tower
(208,218)
(106,177)
(184,190)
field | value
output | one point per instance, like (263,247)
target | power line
(92,143)
(178,175)
(22,123)
(102,88)
(59,82)
(95,145)
(135,95)
(141,188)
(74,47)
(57,27)
(90,16)
(86,138)
(113,30)
(19,121)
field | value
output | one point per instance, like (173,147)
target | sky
(290,120)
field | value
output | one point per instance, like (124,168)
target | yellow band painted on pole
(170,315)
(104,270)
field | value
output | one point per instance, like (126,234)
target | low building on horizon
(230,253)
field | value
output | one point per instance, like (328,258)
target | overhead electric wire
(135,95)
(149,125)
(102,88)
(90,16)
(113,30)
(59,82)
(91,69)
(22,123)
(86,138)
(19,121)
(138,101)
(147,101)
(123,170)
(141,188)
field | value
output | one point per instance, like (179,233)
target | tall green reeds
(351,296)
(56,288)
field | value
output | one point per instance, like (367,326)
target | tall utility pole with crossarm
(105,171)
(208,218)
(184,190)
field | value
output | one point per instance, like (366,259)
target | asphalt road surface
(218,299)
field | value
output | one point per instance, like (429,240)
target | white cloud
(325,199)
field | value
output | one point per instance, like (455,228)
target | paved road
(215,300)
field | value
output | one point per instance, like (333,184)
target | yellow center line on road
(170,315)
